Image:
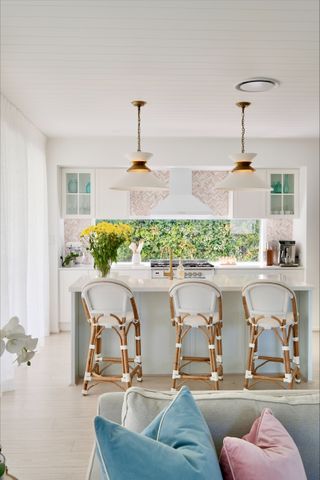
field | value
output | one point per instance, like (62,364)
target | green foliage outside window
(201,239)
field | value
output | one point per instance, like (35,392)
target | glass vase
(286,184)
(102,272)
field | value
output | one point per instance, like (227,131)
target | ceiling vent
(258,84)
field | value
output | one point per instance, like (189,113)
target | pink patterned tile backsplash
(141,203)
(203,183)
(279,229)
(73,228)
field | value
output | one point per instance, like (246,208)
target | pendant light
(243,176)
(139,175)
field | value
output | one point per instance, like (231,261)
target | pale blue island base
(158,334)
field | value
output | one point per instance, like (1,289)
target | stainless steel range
(192,268)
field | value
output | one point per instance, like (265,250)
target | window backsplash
(276,229)
(201,239)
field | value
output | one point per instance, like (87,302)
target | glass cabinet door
(282,195)
(84,204)
(85,183)
(78,188)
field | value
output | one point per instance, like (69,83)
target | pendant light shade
(240,181)
(139,175)
(243,176)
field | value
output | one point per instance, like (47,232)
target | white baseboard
(64,327)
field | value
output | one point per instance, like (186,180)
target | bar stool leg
(176,366)
(98,342)
(255,353)
(126,377)
(218,338)
(90,358)
(137,360)
(286,359)
(251,349)
(213,363)
(296,357)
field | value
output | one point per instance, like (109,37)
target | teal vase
(72,186)
(278,187)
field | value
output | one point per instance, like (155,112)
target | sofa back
(228,413)
(232,414)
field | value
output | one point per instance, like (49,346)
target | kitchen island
(158,335)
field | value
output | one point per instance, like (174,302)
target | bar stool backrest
(105,297)
(198,296)
(268,298)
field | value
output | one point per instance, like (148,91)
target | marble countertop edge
(225,283)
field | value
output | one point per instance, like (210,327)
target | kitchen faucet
(169,273)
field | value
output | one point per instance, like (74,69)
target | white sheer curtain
(24,228)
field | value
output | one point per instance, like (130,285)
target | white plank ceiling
(73,66)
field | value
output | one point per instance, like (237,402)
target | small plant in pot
(102,241)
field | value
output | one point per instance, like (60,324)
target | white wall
(199,153)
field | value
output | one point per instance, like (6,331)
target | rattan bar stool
(272,306)
(197,304)
(109,304)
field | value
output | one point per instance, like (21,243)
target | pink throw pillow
(267,452)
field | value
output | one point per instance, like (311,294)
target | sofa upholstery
(228,413)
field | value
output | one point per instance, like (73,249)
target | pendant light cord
(243,130)
(139,130)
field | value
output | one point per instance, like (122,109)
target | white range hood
(180,202)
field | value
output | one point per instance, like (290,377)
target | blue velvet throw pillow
(177,444)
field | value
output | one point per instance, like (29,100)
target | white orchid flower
(30,343)
(12,328)
(15,345)
(25,357)
(17,341)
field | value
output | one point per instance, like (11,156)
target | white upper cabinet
(283,200)
(110,203)
(249,204)
(78,193)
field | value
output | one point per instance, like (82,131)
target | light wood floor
(46,425)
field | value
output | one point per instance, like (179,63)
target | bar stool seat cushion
(197,320)
(267,322)
(108,321)
(177,444)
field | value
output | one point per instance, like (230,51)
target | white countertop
(115,266)
(224,282)
(217,266)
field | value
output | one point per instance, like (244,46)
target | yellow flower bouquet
(103,240)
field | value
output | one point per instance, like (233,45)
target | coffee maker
(287,253)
